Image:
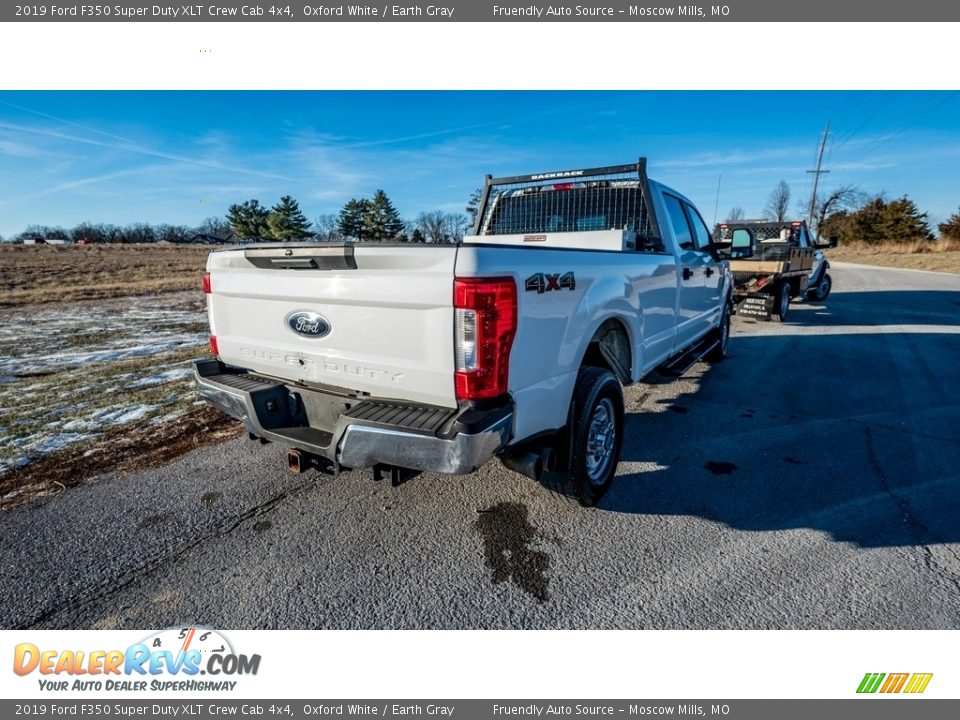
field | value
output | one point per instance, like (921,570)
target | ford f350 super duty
(512,343)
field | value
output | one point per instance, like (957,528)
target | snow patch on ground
(164,377)
(59,378)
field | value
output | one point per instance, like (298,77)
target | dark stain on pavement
(150,521)
(209,498)
(508,549)
(262,526)
(721,467)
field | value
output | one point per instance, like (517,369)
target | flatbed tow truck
(771,263)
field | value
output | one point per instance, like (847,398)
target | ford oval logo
(308,324)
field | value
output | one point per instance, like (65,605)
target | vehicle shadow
(881,307)
(853,434)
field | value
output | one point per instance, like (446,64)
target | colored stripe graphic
(918,682)
(894,682)
(870,682)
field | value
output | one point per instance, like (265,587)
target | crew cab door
(713,266)
(692,319)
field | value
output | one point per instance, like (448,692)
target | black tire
(781,303)
(821,291)
(722,335)
(597,405)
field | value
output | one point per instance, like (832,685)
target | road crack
(920,531)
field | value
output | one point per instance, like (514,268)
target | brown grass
(33,274)
(943,255)
(121,450)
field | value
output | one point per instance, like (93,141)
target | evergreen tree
(903,221)
(249,220)
(473,204)
(879,221)
(351,220)
(381,221)
(287,222)
(951,228)
(417,236)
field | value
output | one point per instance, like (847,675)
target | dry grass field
(95,350)
(35,274)
(943,256)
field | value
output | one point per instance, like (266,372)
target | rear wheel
(781,304)
(595,432)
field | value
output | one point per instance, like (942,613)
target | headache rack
(616,197)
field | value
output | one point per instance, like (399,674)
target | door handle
(708,272)
(687,273)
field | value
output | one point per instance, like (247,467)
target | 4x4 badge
(545,282)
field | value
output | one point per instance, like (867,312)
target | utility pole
(816,175)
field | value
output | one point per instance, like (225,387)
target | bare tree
(779,202)
(736,213)
(844,197)
(326,228)
(432,225)
(457,226)
(437,226)
(215,226)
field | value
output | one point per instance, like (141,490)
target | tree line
(89,232)
(844,211)
(359,220)
(852,215)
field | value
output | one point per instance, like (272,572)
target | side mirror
(715,248)
(830,243)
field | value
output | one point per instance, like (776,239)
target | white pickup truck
(512,343)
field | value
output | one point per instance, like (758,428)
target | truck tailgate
(371,318)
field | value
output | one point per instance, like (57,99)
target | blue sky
(178,157)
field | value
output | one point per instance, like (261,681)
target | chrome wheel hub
(601,440)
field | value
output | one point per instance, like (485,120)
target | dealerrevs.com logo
(891,683)
(173,659)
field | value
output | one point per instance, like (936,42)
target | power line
(849,135)
(925,108)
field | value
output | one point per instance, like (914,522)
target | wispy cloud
(737,157)
(19,149)
(138,149)
(74,184)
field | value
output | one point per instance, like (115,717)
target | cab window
(679,223)
(701,235)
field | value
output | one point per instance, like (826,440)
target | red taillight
(485,311)
(213,345)
(206,283)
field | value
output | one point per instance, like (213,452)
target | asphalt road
(810,481)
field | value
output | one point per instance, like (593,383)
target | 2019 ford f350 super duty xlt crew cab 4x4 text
(512,343)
